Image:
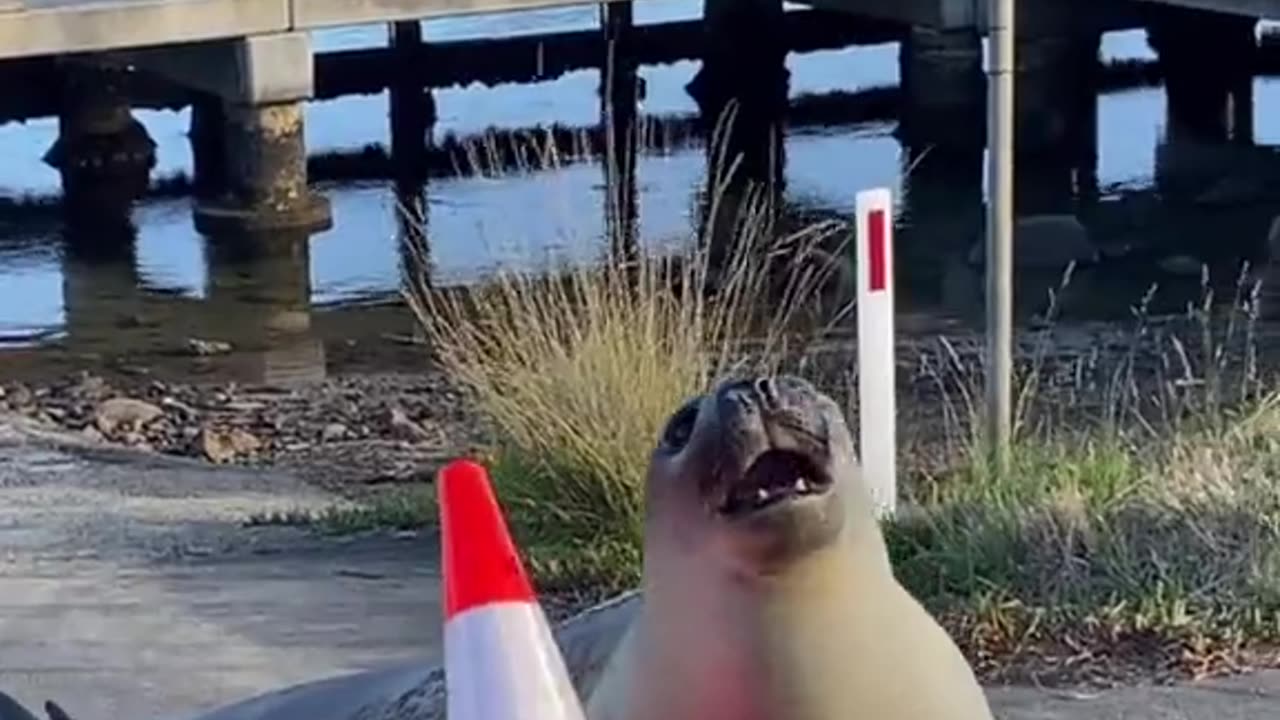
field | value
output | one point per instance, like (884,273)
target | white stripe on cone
(502,663)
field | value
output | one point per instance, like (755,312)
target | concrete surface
(129,589)
(254,70)
(1252,697)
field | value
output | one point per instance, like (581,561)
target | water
(476,224)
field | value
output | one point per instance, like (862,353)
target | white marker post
(877,408)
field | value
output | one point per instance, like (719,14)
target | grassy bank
(1137,531)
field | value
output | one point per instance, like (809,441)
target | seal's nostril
(767,391)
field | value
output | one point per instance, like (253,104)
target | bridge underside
(39,27)
(1038,16)
(1265,9)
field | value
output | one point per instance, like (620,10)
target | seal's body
(11,709)
(768,591)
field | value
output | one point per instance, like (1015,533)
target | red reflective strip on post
(876,231)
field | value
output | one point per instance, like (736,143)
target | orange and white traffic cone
(501,661)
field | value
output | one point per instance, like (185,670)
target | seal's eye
(680,426)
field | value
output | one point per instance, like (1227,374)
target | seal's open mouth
(775,476)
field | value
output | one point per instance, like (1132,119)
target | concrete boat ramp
(129,587)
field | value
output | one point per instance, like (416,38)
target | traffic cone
(501,661)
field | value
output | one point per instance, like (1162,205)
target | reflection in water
(413,240)
(415,248)
(742,102)
(941,219)
(1206,102)
(102,300)
(1205,111)
(619,100)
(259,294)
(208,160)
(1057,119)
(412,114)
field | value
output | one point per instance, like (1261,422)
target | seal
(768,589)
(767,592)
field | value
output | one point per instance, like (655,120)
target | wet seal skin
(11,709)
(768,592)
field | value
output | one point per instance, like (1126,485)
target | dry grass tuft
(577,370)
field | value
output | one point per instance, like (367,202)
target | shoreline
(379,415)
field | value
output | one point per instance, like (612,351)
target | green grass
(1180,537)
(399,510)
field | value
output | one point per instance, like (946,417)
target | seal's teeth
(762,494)
(801,486)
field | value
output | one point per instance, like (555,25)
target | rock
(239,406)
(1182,265)
(183,408)
(206,348)
(402,428)
(221,445)
(89,387)
(19,396)
(1044,242)
(132,320)
(1273,243)
(1231,191)
(333,432)
(120,412)
(134,439)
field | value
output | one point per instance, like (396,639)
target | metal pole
(1000,148)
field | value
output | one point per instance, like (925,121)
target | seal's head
(756,471)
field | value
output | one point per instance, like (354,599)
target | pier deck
(45,27)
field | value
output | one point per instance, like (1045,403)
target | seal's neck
(702,577)
(827,572)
